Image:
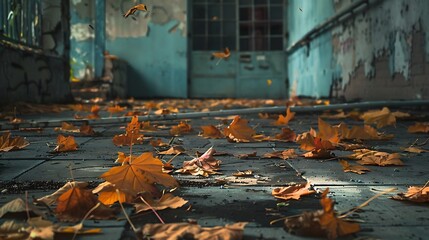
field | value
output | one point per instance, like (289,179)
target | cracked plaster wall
(38,75)
(380,54)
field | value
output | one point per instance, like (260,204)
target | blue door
(254,31)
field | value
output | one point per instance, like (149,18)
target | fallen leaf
(165,111)
(76,202)
(86,130)
(171,231)
(65,144)
(382,117)
(45,233)
(147,127)
(139,175)
(77,229)
(167,200)
(381,159)
(239,131)
(52,198)
(419,128)
(293,192)
(94,112)
(181,128)
(67,127)
(319,154)
(222,55)
(204,165)
(414,194)
(107,194)
(286,154)
(245,173)
(115,109)
(353,168)
(412,149)
(362,133)
(360,153)
(246,155)
(131,136)
(309,142)
(17,207)
(328,132)
(139,7)
(11,230)
(158,143)
(211,131)
(173,151)
(8,143)
(284,120)
(287,135)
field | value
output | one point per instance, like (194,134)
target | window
(20,21)
(214,24)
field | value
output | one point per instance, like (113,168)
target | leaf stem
(153,210)
(84,218)
(125,213)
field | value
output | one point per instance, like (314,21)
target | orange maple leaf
(382,117)
(239,131)
(181,128)
(65,144)
(284,120)
(8,143)
(94,112)
(286,154)
(222,55)
(158,143)
(115,109)
(131,136)
(292,192)
(362,133)
(328,132)
(107,194)
(86,130)
(173,151)
(287,135)
(381,159)
(167,200)
(204,165)
(76,202)
(419,128)
(67,127)
(308,141)
(139,7)
(353,168)
(139,175)
(211,131)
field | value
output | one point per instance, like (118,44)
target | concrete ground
(212,202)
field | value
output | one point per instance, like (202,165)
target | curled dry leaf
(67,127)
(287,135)
(419,127)
(222,55)
(353,168)
(173,151)
(76,202)
(382,117)
(52,198)
(8,143)
(293,192)
(115,109)
(147,127)
(308,141)
(173,231)
(328,132)
(107,194)
(167,200)
(246,155)
(139,175)
(319,154)
(94,112)
(362,133)
(158,143)
(139,7)
(414,194)
(413,149)
(321,223)
(204,165)
(211,131)
(286,154)
(245,173)
(181,128)
(65,144)
(86,130)
(12,230)
(17,207)
(381,159)
(131,136)
(360,153)
(165,111)
(239,131)
(284,120)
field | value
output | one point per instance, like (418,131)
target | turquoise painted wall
(310,69)
(157,62)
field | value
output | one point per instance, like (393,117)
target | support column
(100,36)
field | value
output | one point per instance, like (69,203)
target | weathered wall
(40,75)
(154,45)
(379,54)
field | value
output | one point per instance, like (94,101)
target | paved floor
(36,170)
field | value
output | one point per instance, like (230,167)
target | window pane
(261,43)
(276,43)
(199,43)
(276,28)
(229,11)
(260,2)
(199,12)
(229,28)
(245,29)
(261,29)
(276,2)
(214,11)
(214,43)
(245,2)
(199,27)
(245,44)
(261,13)
(246,14)
(228,42)
(276,13)
(214,28)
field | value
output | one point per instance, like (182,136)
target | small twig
(27,209)
(169,161)
(84,218)
(71,172)
(125,213)
(153,210)
(131,147)
(284,218)
(427,183)
(220,59)
(367,202)
(423,143)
